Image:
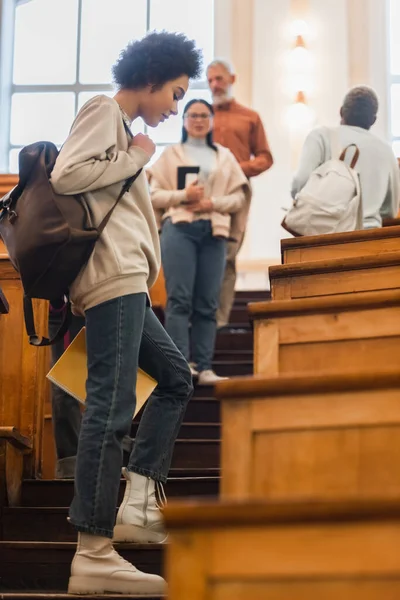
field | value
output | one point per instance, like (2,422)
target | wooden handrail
(239,388)
(209,514)
(342,264)
(340,238)
(322,304)
(15,438)
(393,222)
(4,306)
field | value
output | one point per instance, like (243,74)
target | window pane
(395,101)
(107,27)
(396,148)
(45,42)
(394,37)
(156,156)
(169,132)
(13,160)
(41,116)
(137,125)
(196,20)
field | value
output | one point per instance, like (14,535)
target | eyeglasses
(202,116)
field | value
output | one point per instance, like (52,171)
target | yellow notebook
(70,373)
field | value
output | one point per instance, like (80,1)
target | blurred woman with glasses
(196,224)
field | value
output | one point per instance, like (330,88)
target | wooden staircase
(310,484)
(37,543)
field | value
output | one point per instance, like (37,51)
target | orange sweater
(240,129)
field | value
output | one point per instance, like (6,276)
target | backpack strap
(34,339)
(125,188)
(355,157)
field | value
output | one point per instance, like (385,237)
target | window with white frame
(394,24)
(62,53)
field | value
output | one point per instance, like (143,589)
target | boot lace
(161,497)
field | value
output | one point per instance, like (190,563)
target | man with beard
(240,129)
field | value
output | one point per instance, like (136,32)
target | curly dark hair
(360,107)
(155,59)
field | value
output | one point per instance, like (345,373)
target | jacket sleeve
(235,198)
(262,158)
(312,156)
(230,203)
(88,160)
(162,198)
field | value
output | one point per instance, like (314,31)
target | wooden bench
(333,334)
(4,306)
(317,437)
(372,242)
(13,447)
(23,368)
(336,276)
(294,551)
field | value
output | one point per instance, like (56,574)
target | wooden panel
(7,182)
(315,411)
(158,292)
(236,471)
(327,463)
(372,242)
(23,385)
(330,284)
(340,356)
(331,251)
(356,589)
(266,348)
(191,554)
(313,446)
(321,561)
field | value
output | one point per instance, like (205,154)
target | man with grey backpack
(348,178)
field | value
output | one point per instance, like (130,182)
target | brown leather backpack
(49,237)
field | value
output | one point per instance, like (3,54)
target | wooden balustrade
(352,244)
(292,551)
(332,334)
(336,276)
(23,384)
(316,437)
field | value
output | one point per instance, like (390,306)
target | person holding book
(196,224)
(152,76)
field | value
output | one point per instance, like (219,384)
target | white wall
(349,43)
(328,22)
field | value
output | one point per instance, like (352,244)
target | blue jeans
(66,410)
(194,264)
(121,335)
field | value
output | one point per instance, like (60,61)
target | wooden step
(236,340)
(59,492)
(295,551)
(46,565)
(251,295)
(239,314)
(229,368)
(65,596)
(4,306)
(338,276)
(331,334)
(193,431)
(370,242)
(196,454)
(234,356)
(314,437)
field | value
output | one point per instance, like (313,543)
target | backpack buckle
(12,216)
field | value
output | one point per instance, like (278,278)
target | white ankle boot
(139,518)
(98,569)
